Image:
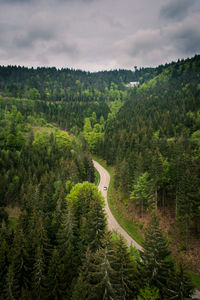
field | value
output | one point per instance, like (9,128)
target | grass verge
(195,280)
(117,211)
(126,224)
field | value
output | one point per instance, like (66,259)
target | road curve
(112,223)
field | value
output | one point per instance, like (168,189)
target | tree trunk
(156,199)
(163,199)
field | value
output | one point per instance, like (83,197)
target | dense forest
(50,84)
(154,143)
(51,121)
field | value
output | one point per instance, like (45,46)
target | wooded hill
(154,143)
(59,246)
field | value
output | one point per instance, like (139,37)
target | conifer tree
(81,289)
(55,287)
(4,250)
(155,268)
(126,271)
(20,262)
(148,293)
(97,275)
(95,225)
(67,247)
(141,192)
(103,283)
(11,290)
(38,273)
(179,286)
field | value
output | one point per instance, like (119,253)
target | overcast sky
(98,34)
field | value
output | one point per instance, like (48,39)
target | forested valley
(54,241)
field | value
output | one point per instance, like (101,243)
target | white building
(132,83)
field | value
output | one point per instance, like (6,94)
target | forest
(154,143)
(51,123)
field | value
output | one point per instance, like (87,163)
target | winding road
(112,222)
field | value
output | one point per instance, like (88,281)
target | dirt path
(112,223)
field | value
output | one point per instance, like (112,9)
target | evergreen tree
(126,271)
(95,225)
(97,275)
(4,250)
(141,192)
(103,283)
(54,283)
(155,267)
(20,263)
(148,293)
(11,290)
(180,286)
(67,248)
(38,273)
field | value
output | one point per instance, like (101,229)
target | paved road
(112,223)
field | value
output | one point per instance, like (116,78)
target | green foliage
(156,131)
(59,248)
(141,192)
(63,141)
(66,84)
(93,135)
(87,203)
(149,293)
(33,94)
(180,286)
(41,140)
(155,267)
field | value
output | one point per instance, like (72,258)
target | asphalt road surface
(112,222)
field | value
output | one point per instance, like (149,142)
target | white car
(105,188)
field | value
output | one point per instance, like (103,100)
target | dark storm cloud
(29,38)
(187,38)
(189,43)
(97,34)
(176,9)
(65,48)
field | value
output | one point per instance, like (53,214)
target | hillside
(54,239)
(154,144)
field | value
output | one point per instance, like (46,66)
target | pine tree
(155,268)
(126,271)
(186,196)
(97,275)
(55,289)
(38,273)
(103,283)
(11,290)
(141,192)
(179,286)
(20,262)
(94,229)
(148,293)
(3,260)
(67,247)
(81,289)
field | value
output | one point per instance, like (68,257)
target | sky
(96,35)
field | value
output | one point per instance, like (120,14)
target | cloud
(97,34)
(146,43)
(176,9)
(185,35)
(16,1)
